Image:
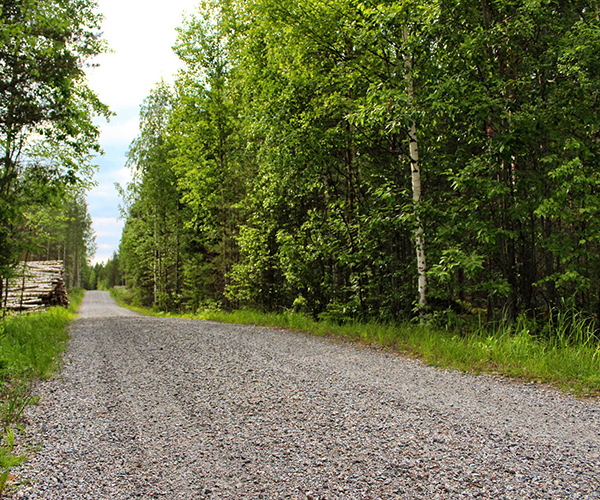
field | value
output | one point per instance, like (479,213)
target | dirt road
(182,409)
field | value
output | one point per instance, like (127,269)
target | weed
(8,457)
(14,402)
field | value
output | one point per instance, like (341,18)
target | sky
(140,35)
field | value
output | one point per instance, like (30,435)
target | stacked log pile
(37,285)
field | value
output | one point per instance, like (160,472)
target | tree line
(372,160)
(47,135)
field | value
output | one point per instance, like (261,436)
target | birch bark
(415,168)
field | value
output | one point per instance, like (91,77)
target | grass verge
(566,355)
(31,348)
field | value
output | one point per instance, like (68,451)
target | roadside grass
(31,347)
(561,350)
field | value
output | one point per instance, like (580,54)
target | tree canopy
(335,156)
(47,134)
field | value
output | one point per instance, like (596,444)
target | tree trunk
(5,297)
(419,230)
(2,302)
(155,258)
(415,168)
(23,280)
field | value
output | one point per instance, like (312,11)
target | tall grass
(31,347)
(562,350)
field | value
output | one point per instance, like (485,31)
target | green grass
(561,350)
(31,347)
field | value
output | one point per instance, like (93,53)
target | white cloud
(102,191)
(119,132)
(105,223)
(123,176)
(141,35)
(101,257)
(108,233)
(106,179)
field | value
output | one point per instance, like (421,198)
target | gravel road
(182,409)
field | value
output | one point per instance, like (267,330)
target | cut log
(37,285)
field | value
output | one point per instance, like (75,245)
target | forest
(368,161)
(381,161)
(420,175)
(48,137)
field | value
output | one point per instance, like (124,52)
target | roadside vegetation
(561,349)
(31,348)
(359,161)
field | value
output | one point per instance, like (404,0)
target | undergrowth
(561,349)
(31,347)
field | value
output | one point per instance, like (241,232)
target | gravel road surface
(182,409)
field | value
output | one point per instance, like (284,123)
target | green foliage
(276,174)
(63,231)
(8,457)
(105,276)
(150,245)
(47,134)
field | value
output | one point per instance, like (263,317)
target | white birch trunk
(419,231)
(415,168)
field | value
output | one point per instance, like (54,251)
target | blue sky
(140,34)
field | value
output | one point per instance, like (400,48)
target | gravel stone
(159,408)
